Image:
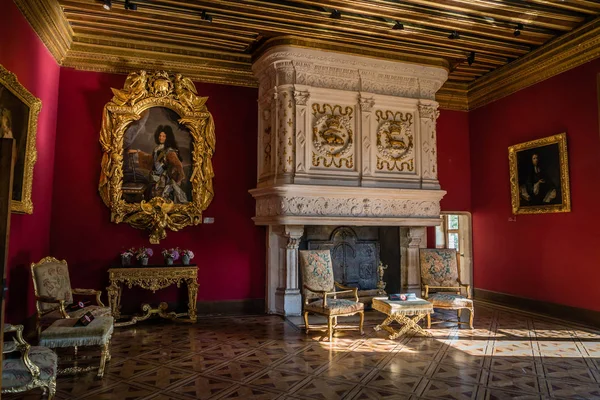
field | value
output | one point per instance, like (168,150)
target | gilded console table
(153,278)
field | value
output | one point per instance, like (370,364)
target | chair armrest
(89,292)
(23,347)
(61,304)
(347,289)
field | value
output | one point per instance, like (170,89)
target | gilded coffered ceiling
(490,47)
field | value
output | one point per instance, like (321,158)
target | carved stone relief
(333,136)
(395,141)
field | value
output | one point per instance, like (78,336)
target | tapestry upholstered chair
(54,295)
(34,367)
(319,291)
(440,273)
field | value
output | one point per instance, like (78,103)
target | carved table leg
(114,297)
(407,324)
(192,298)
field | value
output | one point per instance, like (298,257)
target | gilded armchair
(54,295)
(440,273)
(36,366)
(319,291)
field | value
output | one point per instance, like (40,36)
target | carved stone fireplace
(343,140)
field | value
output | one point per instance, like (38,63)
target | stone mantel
(333,205)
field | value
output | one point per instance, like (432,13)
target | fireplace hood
(345,139)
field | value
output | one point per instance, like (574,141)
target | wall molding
(49,22)
(572,314)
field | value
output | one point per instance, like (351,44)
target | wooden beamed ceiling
(176,34)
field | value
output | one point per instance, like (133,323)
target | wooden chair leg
(471,312)
(103,357)
(362,321)
(330,328)
(306,321)
(458,314)
(52,389)
(428,321)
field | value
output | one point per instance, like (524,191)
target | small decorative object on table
(126,257)
(170,256)
(402,297)
(143,253)
(186,256)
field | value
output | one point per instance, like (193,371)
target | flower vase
(168,261)
(185,260)
(144,260)
(125,261)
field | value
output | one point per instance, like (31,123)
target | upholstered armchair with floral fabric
(53,293)
(35,367)
(319,291)
(440,273)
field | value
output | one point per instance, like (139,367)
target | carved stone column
(428,114)
(416,238)
(366,108)
(285,134)
(288,299)
(302,130)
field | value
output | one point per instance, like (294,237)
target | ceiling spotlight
(205,16)
(398,26)
(107,4)
(454,35)
(336,14)
(471,58)
(130,6)
(518,30)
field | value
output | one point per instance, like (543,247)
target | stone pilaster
(428,114)
(415,239)
(288,299)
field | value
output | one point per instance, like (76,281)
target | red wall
(548,257)
(230,253)
(24,54)
(454,163)
(454,160)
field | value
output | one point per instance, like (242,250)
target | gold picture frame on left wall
(19,111)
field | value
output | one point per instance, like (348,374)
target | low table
(406,312)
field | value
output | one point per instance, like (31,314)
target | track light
(454,35)
(130,6)
(205,16)
(336,14)
(518,30)
(398,26)
(107,4)
(471,58)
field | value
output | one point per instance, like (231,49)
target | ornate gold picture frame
(539,176)
(158,139)
(19,111)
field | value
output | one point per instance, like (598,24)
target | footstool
(407,313)
(64,333)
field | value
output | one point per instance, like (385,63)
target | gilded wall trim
(49,22)
(567,52)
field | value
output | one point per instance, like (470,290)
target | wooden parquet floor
(509,355)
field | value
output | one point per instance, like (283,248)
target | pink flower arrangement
(171,253)
(144,252)
(187,253)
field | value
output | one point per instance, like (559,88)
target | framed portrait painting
(158,138)
(539,176)
(19,112)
